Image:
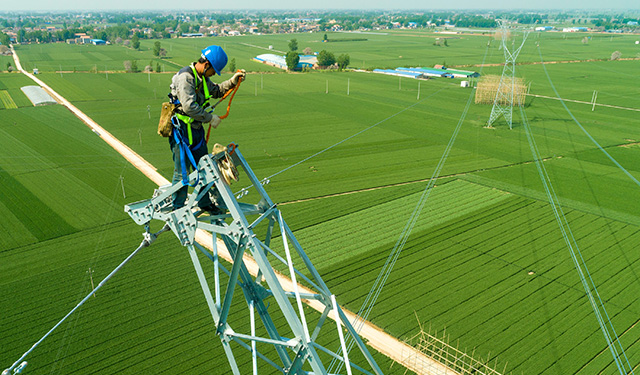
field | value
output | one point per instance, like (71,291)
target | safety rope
(149,238)
(233,93)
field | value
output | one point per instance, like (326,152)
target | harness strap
(185,152)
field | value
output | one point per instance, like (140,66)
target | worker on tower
(191,90)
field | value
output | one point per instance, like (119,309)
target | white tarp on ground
(37,95)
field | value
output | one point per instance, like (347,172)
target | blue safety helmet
(216,57)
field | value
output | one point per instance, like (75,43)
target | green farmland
(486,261)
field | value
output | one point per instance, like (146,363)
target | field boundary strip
(7,100)
(376,337)
(583,102)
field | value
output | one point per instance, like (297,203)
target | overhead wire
(71,327)
(607,328)
(344,140)
(626,172)
(385,271)
(146,242)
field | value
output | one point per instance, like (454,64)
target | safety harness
(186,148)
(189,120)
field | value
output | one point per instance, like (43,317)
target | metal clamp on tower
(290,346)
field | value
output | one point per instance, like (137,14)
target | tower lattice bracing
(504,99)
(286,336)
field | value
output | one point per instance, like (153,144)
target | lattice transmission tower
(504,100)
(289,339)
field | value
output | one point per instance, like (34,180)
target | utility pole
(122,184)
(90,272)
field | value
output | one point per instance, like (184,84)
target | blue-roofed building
(306,61)
(428,72)
(97,42)
(399,73)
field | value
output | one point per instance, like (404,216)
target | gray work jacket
(183,87)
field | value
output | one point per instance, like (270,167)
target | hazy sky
(42,5)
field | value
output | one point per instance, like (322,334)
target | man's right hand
(215,121)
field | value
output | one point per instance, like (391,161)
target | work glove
(239,75)
(215,121)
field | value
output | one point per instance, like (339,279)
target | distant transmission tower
(289,337)
(503,102)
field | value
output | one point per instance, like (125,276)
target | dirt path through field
(376,337)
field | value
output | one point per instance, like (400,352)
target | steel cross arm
(215,228)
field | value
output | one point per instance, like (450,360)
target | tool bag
(165,126)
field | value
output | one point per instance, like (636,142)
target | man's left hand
(238,76)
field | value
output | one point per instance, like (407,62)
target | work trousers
(180,196)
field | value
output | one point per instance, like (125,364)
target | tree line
(325,58)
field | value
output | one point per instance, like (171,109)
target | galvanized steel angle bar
(203,283)
(339,358)
(298,361)
(184,225)
(269,213)
(216,228)
(212,258)
(292,273)
(322,287)
(281,342)
(238,159)
(279,293)
(323,317)
(259,305)
(232,360)
(262,356)
(233,278)
(358,341)
(283,261)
